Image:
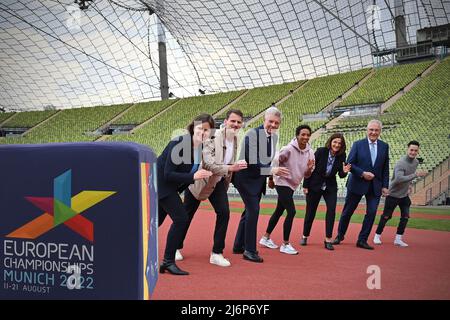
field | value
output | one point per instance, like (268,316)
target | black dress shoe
(252,256)
(328,245)
(364,245)
(338,240)
(172,268)
(303,241)
(238,250)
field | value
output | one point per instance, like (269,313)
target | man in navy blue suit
(258,151)
(370,178)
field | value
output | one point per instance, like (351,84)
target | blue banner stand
(78,221)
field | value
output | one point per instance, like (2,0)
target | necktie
(197,159)
(329,165)
(195,168)
(269,146)
(328,171)
(373,152)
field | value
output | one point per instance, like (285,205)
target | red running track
(420,271)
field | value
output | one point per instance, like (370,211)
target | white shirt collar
(376,142)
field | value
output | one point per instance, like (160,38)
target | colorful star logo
(62,209)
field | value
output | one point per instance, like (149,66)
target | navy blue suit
(251,184)
(175,174)
(360,159)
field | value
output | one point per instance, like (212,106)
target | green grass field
(418,223)
(433,223)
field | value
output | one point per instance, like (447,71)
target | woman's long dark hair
(334,136)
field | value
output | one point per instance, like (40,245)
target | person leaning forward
(258,150)
(219,154)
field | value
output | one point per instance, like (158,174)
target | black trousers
(285,202)
(172,206)
(389,206)
(312,202)
(246,232)
(219,201)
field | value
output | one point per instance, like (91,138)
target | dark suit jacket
(252,180)
(174,166)
(359,158)
(318,177)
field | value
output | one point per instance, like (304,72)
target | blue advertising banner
(78,221)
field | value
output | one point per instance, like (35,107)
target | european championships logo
(62,208)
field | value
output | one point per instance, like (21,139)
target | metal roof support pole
(400,25)
(163,72)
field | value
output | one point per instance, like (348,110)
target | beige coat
(212,159)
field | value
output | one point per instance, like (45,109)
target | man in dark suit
(258,151)
(369,177)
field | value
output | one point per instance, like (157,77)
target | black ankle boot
(303,241)
(172,268)
(338,239)
(328,245)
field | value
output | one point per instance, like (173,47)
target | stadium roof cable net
(54,53)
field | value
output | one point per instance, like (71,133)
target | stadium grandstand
(141,70)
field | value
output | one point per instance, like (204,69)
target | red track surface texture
(420,271)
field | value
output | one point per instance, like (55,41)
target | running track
(420,271)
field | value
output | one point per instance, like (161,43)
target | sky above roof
(53,55)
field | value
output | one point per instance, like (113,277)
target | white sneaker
(218,259)
(268,243)
(399,242)
(377,239)
(178,256)
(288,248)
